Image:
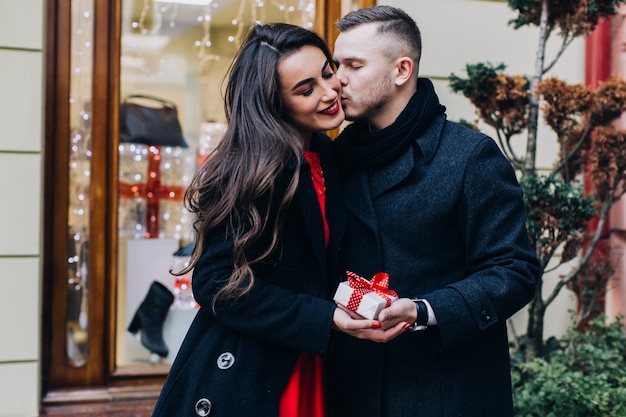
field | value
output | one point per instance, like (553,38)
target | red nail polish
(406,326)
(376,325)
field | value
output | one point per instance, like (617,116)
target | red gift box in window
(147,187)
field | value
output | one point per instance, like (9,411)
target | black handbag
(155,124)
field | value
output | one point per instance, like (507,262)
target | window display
(174,55)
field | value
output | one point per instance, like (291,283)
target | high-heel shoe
(150,316)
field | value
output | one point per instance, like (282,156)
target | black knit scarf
(358,146)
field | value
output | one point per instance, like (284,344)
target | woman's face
(310,91)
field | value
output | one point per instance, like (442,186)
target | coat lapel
(335,211)
(383,179)
(391,175)
(309,208)
(362,188)
(309,204)
(358,200)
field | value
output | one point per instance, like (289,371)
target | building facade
(37,369)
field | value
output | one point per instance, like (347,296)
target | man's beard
(377,98)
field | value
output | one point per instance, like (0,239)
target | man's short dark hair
(392,21)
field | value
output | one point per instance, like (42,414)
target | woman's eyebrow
(308,80)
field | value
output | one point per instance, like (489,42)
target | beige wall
(21,118)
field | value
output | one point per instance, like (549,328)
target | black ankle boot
(150,316)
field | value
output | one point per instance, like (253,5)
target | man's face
(366,74)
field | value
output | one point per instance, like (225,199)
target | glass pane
(176,52)
(77,334)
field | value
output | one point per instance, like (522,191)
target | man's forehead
(355,44)
(359,35)
(349,54)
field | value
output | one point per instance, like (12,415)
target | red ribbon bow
(378,284)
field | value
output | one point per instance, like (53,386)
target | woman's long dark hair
(236,185)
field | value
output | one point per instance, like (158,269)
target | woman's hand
(354,325)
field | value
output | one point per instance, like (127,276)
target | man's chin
(352,117)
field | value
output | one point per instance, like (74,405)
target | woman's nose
(331,90)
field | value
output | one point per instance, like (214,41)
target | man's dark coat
(446,220)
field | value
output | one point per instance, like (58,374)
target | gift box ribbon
(378,284)
(153,191)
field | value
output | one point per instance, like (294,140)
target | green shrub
(585,376)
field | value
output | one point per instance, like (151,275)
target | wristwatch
(422,316)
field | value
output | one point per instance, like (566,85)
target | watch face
(417,328)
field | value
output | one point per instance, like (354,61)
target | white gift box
(369,306)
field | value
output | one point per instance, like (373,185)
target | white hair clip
(269,46)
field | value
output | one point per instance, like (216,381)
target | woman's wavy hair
(236,185)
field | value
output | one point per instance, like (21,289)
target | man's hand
(402,310)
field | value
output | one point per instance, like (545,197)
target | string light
(300,12)
(204,44)
(258,15)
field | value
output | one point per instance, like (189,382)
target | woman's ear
(404,70)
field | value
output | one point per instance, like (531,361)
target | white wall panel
(21,24)
(20,206)
(21,109)
(20,309)
(19,396)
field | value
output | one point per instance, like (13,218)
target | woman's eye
(307,92)
(328,75)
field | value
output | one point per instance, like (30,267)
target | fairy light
(154,13)
(79,167)
(205,43)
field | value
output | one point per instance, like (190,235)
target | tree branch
(507,150)
(567,40)
(533,110)
(583,138)
(586,257)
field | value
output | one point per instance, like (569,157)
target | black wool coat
(240,359)
(446,220)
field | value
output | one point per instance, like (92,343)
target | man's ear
(404,70)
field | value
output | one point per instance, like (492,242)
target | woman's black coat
(257,339)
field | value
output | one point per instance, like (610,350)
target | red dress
(304,395)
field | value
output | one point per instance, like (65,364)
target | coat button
(203,407)
(485,316)
(225,360)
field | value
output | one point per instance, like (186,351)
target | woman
(269,224)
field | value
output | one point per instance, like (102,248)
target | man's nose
(341,77)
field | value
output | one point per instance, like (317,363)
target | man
(438,207)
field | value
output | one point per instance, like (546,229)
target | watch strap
(422,316)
